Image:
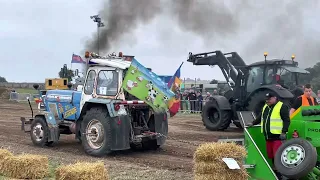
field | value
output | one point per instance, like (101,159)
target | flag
(174,84)
(77,59)
(175,77)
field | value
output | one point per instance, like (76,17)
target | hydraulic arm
(230,66)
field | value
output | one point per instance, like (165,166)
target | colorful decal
(70,112)
(60,108)
(147,86)
(57,97)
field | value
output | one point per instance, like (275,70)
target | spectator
(207,96)
(215,92)
(185,102)
(192,97)
(200,99)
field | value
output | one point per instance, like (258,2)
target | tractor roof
(111,60)
(275,62)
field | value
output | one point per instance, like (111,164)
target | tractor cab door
(255,78)
(88,88)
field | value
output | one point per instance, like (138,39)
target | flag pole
(71,59)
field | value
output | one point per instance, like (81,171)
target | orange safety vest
(305,101)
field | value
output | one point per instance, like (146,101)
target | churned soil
(174,160)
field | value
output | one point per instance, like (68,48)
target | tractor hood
(67,96)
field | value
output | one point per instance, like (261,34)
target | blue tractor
(103,117)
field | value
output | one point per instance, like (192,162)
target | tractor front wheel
(40,132)
(214,118)
(96,129)
(295,158)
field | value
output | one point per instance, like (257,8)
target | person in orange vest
(304,100)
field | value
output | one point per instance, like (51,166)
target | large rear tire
(295,158)
(257,101)
(96,139)
(214,118)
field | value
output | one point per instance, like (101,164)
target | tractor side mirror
(69,85)
(76,72)
(36,86)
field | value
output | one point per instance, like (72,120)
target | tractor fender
(109,103)
(221,101)
(280,91)
(49,117)
(52,124)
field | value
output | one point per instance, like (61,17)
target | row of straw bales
(27,166)
(208,163)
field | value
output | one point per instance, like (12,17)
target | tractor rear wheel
(295,158)
(257,102)
(214,118)
(96,129)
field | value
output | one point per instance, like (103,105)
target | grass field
(26,90)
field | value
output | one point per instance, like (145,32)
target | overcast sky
(37,37)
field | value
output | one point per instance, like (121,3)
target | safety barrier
(191,106)
(14,96)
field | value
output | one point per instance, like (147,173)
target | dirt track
(172,161)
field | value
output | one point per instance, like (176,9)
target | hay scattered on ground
(82,171)
(208,163)
(26,166)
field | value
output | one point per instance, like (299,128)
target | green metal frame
(305,121)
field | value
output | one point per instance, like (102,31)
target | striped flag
(77,59)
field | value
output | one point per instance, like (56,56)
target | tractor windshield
(107,83)
(287,76)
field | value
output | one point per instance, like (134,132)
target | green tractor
(297,157)
(251,83)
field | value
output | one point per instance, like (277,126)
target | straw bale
(82,171)
(4,155)
(209,152)
(26,166)
(219,169)
(219,176)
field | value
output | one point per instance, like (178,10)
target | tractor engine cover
(64,104)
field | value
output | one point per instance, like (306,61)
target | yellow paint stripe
(295,113)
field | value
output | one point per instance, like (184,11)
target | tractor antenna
(283,55)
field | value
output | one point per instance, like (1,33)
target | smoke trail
(122,17)
(286,32)
(205,18)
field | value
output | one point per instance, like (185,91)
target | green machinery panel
(257,155)
(306,122)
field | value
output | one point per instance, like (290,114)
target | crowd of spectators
(192,101)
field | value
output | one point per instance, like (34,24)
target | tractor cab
(276,71)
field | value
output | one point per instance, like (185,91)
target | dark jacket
(284,113)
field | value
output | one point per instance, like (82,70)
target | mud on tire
(96,122)
(214,118)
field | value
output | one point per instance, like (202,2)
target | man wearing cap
(275,122)
(304,100)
